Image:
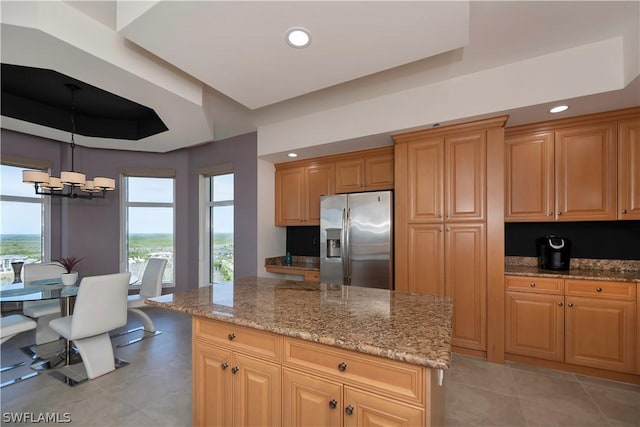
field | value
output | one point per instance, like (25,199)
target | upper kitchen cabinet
(446,178)
(586,170)
(529,194)
(629,169)
(298,191)
(578,169)
(369,170)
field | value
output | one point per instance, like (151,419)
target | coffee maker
(554,252)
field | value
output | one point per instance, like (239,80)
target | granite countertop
(395,325)
(298,262)
(586,269)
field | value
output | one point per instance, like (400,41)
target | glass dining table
(40,290)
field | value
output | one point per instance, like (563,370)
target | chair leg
(144,318)
(9,367)
(44,333)
(97,354)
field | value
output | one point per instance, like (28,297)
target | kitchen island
(279,352)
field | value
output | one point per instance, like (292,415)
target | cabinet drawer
(238,338)
(596,288)
(393,378)
(540,285)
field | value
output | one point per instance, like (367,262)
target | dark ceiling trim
(38,95)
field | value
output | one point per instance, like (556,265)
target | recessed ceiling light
(559,109)
(298,37)
(292,154)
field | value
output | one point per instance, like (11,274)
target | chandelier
(70,183)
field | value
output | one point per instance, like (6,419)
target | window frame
(44,201)
(205,175)
(124,219)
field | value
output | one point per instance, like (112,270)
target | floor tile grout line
(515,386)
(582,386)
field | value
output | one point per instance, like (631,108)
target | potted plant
(70,277)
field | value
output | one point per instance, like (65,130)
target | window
(24,222)
(148,226)
(219,227)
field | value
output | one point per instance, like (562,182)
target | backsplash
(605,240)
(303,241)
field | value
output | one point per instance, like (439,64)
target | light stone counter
(399,326)
(585,269)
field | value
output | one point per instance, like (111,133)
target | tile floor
(155,389)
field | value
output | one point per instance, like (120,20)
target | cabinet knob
(349,410)
(598,289)
(235,370)
(225,365)
(532,284)
(549,213)
(333,403)
(342,366)
(560,304)
(231,336)
(570,305)
(559,213)
(624,211)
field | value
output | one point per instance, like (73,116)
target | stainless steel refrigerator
(356,239)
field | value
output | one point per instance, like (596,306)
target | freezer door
(369,240)
(332,215)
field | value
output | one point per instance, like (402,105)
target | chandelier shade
(72,180)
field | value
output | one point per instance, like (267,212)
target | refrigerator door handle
(348,249)
(343,244)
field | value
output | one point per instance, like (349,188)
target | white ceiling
(214,69)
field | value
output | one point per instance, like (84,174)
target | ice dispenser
(333,242)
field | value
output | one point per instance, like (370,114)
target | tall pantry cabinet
(449,235)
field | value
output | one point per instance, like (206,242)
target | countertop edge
(585,274)
(391,354)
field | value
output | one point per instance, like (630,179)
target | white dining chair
(42,311)
(101,306)
(10,326)
(150,287)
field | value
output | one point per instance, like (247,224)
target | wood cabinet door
(535,325)
(601,333)
(466,282)
(290,196)
(586,172)
(350,175)
(529,177)
(309,400)
(629,169)
(379,172)
(212,398)
(425,256)
(256,392)
(425,170)
(365,409)
(465,183)
(319,181)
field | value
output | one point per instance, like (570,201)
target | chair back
(39,271)
(152,278)
(101,305)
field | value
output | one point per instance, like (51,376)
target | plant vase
(69,279)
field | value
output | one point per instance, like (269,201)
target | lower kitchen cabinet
(601,333)
(232,389)
(535,325)
(212,389)
(310,400)
(581,322)
(366,409)
(236,375)
(247,377)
